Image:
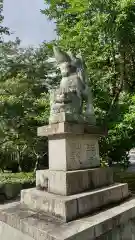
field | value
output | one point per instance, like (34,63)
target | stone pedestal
(75,185)
(72,146)
(115,223)
(68,208)
(75,198)
(72,182)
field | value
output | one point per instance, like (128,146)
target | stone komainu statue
(67,100)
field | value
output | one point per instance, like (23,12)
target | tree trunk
(36,165)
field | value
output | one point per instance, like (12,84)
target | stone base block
(72,146)
(73,152)
(68,208)
(73,182)
(6,232)
(69,128)
(116,223)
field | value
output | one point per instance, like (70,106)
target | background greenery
(17,178)
(104,31)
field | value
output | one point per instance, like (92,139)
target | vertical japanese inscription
(90,152)
(78,152)
(75,155)
(72,153)
(83,153)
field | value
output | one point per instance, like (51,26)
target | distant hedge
(125,177)
(11,184)
(17,178)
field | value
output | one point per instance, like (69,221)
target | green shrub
(17,178)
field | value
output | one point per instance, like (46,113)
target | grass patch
(17,178)
(125,177)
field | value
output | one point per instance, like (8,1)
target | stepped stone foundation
(75,198)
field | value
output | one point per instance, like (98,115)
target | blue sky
(23,17)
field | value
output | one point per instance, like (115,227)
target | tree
(24,102)
(104,31)
(25,77)
(3,30)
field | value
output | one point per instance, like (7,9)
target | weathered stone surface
(73,152)
(99,198)
(100,177)
(66,117)
(111,224)
(42,179)
(77,182)
(72,146)
(55,205)
(72,207)
(7,232)
(73,90)
(57,182)
(82,152)
(69,128)
(124,190)
(123,232)
(57,154)
(72,182)
(35,224)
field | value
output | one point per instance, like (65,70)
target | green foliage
(25,78)
(104,162)
(104,31)
(122,133)
(17,178)
(24,104)
(3,30)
